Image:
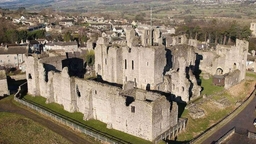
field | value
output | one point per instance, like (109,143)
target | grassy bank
(16,129)
(215,113)
(209,88)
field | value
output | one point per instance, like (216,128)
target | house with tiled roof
(13,56)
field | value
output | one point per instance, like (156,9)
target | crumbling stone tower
(142,65)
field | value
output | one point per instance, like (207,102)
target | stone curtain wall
(232,79)
(4,86)
(105,103)
(102,137)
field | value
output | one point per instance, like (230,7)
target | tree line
(12,35)
(9,33)
(214,31)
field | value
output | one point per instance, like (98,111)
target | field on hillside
(16,129)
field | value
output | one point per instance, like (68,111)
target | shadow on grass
(3,97)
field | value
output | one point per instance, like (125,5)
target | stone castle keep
(141,78)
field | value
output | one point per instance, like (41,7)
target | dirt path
(8,106)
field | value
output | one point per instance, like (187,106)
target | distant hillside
(23,3)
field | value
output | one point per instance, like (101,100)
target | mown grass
(213,113)
(15,129)
(92,123)
(209,88)
(251,74)
(197,126)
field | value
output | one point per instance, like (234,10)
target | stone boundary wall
(100,136)
(251,135)
(226,136)
(223,120)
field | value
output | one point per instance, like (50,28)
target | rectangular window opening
(132,65)
(133,109)
(125,64)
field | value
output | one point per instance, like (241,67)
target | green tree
(67,36)
(11,35)
(246,32)
(22,35)
(36,34)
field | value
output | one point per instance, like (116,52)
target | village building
(13,56)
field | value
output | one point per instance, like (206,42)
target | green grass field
(213,113)
(92,123)
(16,129)
(209,88)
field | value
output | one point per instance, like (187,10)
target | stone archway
(219,71)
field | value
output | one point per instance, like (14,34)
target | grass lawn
(209,88)
(251,75)
(15,129)
(214,113)
(77,116)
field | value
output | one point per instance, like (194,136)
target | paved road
(244,120)
(69,135)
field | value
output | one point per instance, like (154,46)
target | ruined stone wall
(3,84)
(232,79)
(130,34)
(146,37)
(163,117)
(185,51)
(193,42)
(207,62)
(131,64)
(160,63)
(157,37)
(54,62)
(32,76)
(179,83)
(105,103)
(99,59)
(183,82)
(64,90)
(137,122)
(108,63)
(175,40)
(144,66)
(226,58)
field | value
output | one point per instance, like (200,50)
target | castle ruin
(138,79)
